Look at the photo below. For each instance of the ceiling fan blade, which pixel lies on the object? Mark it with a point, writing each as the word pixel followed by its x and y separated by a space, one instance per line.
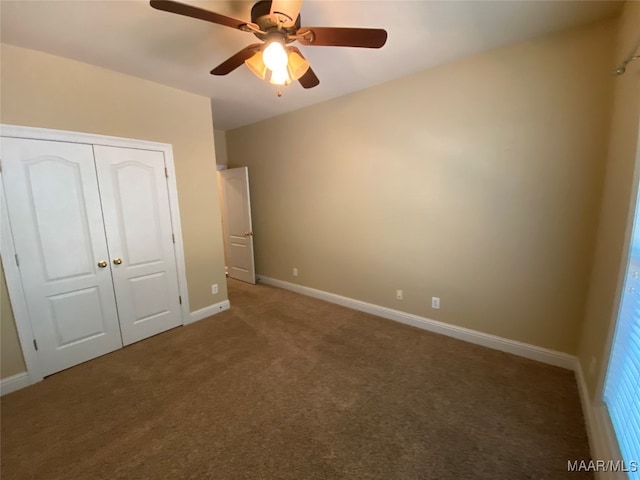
pixel 286 11
pixel 195 12
pixel 343 37
pixel 233 62
pixel 309 79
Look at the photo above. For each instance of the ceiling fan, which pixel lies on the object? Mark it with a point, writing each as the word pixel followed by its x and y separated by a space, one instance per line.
pixel 277 24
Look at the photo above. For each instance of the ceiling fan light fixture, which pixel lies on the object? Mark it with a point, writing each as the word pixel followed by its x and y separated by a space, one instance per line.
pixel 256 65
pixel 274 55
pixel 297 65
pixel 276 23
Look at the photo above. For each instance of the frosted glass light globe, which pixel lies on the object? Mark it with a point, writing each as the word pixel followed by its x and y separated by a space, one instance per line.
pixel 280 77
pixel 275 57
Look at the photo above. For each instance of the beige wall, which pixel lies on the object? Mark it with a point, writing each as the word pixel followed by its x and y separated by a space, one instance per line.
pixel 477 182
pixel 11 361
pixel 610 255
pixel 220 137
pixel 43 90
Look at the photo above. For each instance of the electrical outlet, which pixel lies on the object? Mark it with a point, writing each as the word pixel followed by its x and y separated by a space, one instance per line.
pixel 214 288
pixel 435 302
pixel 398 294
pixel 295 271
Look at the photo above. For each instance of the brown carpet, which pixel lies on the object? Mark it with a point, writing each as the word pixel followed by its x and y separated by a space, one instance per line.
pixel 284 386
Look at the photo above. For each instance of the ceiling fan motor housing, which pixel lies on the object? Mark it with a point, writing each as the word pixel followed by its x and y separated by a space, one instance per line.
pixel 261 15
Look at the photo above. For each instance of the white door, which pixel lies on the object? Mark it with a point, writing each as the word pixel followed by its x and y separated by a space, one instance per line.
pixel 135 204
pixel 54 205
pixel 236 215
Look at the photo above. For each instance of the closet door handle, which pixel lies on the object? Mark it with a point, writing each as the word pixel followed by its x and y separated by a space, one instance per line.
pixel 102 264
pixel 117 261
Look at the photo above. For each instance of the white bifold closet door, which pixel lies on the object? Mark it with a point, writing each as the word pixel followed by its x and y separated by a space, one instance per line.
pixel 92 229
pixel 135 205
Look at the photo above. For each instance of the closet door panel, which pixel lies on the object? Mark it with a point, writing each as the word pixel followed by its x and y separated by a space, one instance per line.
pixel 54 208
pixel 137 218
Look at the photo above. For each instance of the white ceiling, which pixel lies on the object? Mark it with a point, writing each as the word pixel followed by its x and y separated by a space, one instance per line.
pixel 133 38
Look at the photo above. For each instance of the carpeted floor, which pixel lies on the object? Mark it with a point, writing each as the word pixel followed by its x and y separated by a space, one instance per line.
pixel 284 386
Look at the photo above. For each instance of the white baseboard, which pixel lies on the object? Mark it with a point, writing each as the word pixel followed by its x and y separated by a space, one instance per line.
pixel 14 382
pixel 208 311
pixel 587 410
pixel 541 354
pixel 602 440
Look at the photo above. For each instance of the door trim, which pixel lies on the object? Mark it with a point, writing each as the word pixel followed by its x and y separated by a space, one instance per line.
pixel 7 248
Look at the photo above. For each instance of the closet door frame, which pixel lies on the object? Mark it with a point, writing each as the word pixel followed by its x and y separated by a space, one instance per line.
pixel 8 251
